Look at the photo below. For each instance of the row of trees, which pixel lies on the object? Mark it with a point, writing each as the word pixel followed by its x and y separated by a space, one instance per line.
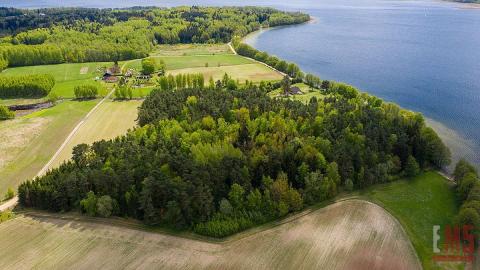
pixel 37 85
pixel 108 35
pixel 291 69
pixel 123 92
pixel 218 161
pixel 86 91
pixel 468 191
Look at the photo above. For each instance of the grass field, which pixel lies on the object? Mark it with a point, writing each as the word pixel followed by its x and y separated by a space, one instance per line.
pixel 191 49
pixel 191 61
pixel 351 234
pixel 67 76
pixel 252 72
pixel 32 140
pixel 418 204
pixel 109 120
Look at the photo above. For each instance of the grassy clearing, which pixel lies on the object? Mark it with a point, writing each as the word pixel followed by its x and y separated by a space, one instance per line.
pixel 191 49
pixel 66 76
pixel 32 140
pixel 252 72
pixel 418 204
pixel 308 93
pixel 190 61
pixel 109 120
pixel 345 235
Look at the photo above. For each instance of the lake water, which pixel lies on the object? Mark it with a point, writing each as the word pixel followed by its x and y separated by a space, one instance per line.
pixel 423 55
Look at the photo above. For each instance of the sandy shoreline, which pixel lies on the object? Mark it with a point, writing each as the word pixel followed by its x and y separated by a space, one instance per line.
pixel 264 29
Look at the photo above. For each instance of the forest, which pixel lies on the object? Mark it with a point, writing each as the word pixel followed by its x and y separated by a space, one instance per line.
pixel 53 36
pixel 219 160
pixel 37 85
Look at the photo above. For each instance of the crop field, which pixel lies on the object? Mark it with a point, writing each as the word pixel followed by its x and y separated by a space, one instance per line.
pixel 32 140
pixel 418 204
pixel 345 235
pixel 252 72
pixel 191 49
pixel 67 76
pixel 191 61
pixel 109 120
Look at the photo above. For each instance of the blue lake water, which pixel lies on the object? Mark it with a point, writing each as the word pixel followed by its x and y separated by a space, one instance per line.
pixel 423 55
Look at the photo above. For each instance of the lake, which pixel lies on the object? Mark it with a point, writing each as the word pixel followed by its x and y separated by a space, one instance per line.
pixel 423 55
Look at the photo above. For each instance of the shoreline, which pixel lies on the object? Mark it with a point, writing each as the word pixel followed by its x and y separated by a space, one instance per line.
pixel 264 29
pixel 460 147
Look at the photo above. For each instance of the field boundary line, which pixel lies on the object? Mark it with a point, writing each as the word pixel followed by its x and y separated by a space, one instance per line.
pixel 254 60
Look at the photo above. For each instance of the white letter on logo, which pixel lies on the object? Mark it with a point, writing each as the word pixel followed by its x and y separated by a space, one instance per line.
pixel 436 237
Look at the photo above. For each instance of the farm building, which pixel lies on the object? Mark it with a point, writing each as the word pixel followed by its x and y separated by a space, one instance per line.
pixel 294 90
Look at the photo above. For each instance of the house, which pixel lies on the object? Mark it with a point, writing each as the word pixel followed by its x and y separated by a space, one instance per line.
pixel 294 90
pixel 109 78
pixel 143 77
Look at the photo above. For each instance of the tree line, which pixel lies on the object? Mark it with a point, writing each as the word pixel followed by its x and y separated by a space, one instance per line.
pixel 217 161
pixel 468 193
pixel 85 91
pixel 291 69
pixel 20 86
pixel 107 35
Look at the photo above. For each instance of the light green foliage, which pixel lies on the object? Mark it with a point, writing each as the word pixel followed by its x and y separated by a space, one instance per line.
pixel 6 215
pixel 105 206
pixel 85 91
pixel 9 194
pixel 36 85
pixel 225 207
pixel 149 66
pixel 123 92
pixel 236 196
pixel 5 113
pixel 89 204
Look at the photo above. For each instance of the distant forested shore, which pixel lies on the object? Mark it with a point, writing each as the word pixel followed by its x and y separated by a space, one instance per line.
pixel 60 35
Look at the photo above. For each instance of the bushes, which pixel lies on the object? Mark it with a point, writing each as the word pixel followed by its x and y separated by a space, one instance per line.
pixel 9 194
pixel 103 206
pixel 5 113
pixel 149 65
pixel 85 91
pixel 221 226
pixel 123 92
pixel 38 85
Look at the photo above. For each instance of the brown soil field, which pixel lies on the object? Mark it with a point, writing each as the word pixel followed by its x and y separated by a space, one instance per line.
pixel 351 234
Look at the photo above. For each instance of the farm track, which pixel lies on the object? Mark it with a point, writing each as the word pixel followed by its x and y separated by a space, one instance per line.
pixel 13 202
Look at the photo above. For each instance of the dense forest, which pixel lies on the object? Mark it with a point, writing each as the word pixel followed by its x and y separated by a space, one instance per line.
pixel 36 85
pixel 53 36
pixel 218 161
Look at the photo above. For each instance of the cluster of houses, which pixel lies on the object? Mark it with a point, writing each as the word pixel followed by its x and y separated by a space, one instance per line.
pixel 114 74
